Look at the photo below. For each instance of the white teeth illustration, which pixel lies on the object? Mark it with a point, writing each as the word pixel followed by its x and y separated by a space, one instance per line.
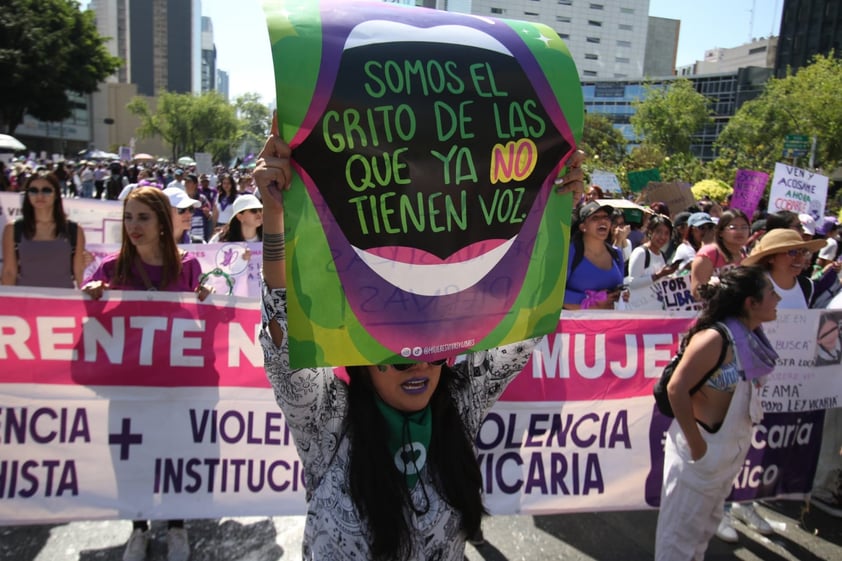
pixel 379 31
pixel 425 280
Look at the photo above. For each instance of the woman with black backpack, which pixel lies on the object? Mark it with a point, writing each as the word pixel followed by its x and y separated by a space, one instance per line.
pixel 708 441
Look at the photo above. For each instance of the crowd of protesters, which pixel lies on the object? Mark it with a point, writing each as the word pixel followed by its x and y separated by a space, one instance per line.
pixel 113 180
pixel 800 257
pixel 618 253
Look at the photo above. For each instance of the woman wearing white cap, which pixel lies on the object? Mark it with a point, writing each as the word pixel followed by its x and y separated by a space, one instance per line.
pixel 181 210
pixel 246 224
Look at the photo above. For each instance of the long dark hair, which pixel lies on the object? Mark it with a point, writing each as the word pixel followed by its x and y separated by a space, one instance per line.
pixel 233 232
pixel 726 298
pixel 28 211
pixel 658 220
pixel 228 197
pixel 156 200
pixel 377 488
pixel 727 217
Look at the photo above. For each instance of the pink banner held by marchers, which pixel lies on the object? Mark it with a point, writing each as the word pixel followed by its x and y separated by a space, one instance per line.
pixel 150 339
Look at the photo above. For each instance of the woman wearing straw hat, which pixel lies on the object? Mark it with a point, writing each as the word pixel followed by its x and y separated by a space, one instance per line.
pixel 783 252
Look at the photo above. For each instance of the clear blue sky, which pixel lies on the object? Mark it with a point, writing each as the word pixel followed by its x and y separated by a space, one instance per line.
pixel 242 42
pixel 707 24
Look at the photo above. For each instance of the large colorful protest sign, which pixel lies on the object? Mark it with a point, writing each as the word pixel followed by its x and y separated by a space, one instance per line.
pixel 153 405
pixel 798 190
pixel 420 221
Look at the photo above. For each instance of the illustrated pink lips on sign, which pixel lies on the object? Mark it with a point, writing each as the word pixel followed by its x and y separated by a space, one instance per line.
pixel 430 225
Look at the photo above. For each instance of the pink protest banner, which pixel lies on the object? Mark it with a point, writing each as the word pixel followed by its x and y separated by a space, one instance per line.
pixel 129 338
pixel 153 405
pixel 749 187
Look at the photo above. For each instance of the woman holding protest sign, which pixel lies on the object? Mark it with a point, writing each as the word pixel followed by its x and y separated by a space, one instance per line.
pixel 149 260
pixel 711 434
pixel 647 266
pixel 785 254
pixel 368 497
pixel 36 245
pixel 730 236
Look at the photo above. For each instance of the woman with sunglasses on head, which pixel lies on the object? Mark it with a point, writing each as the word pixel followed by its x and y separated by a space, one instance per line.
pixel 368 498
pixel 36 245
pixel 726 251
pixel 246 224
pixel 149 260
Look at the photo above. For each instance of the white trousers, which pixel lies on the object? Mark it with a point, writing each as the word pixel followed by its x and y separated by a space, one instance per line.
pixel 693 493
pixel 830 461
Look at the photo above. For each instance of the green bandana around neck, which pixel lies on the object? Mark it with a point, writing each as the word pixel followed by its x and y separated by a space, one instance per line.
pixel 409 439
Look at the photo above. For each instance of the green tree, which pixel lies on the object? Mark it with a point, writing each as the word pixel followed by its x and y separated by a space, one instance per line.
pixel 807 102
pixel 602 142
pixel 684 168
pixel 668 117
pixel 190 123
pixel 645 156
pixel 47 48
pixel 255 121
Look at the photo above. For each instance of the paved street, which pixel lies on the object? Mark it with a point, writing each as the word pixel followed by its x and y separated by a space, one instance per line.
pixel 626 536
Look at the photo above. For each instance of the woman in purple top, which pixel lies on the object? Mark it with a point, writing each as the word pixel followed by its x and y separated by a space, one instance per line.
pixel 149 260
pixel 594 266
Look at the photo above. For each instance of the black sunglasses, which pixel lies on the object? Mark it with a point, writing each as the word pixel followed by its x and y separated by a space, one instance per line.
pixel 41 191
pixel 255 210
pixel 402 367
pixel 183 210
